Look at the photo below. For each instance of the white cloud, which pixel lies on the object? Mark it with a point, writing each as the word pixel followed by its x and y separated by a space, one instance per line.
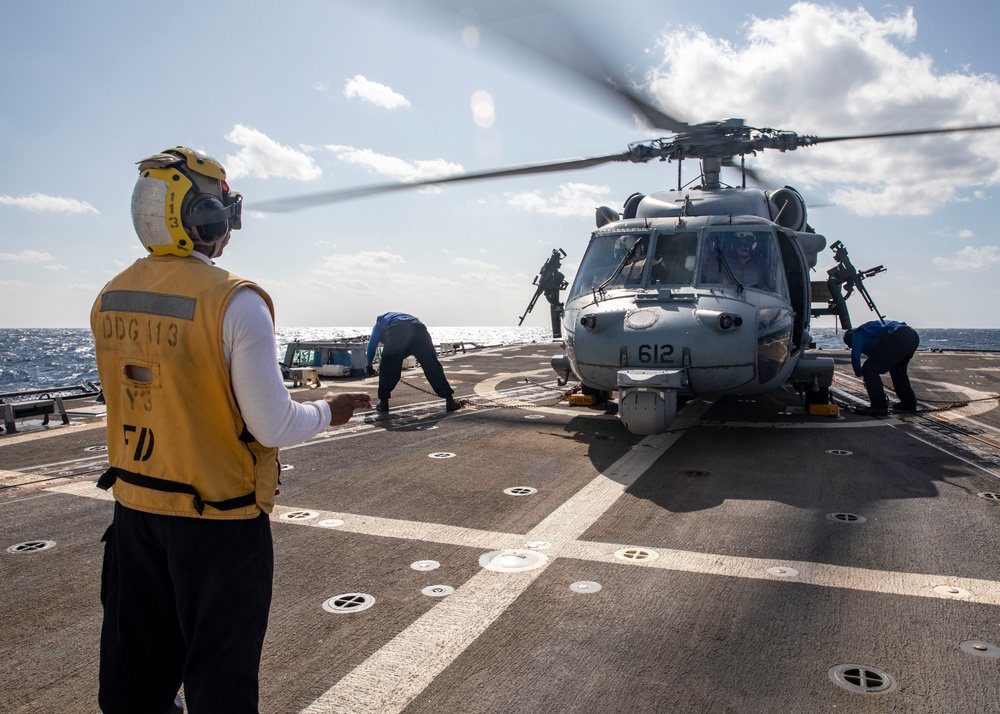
pixel 965 233
pixel 830 71
pixel 380 95
pixel 970 258
pixel 570 199
pixel 262 157
pixel 27 256
pixel 394 167
pixel 40 203
pixel 472 264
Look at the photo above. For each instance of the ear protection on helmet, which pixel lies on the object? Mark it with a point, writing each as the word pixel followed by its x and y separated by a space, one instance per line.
pixel 209 219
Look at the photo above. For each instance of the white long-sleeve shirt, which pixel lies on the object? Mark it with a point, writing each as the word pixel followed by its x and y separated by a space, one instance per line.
pixel 270 413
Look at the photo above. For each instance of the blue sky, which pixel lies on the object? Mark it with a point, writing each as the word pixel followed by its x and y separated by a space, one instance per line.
pixel 305 97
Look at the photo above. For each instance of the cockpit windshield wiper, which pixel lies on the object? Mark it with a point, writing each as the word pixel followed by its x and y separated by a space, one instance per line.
pixel 723 265
pixel 621 266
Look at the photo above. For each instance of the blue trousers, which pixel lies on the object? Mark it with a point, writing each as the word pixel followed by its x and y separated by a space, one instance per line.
pixel 186 600
pixel 402 339
pixel 893 355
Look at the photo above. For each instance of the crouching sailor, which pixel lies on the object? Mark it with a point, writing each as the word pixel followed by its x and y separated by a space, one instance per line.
pixel 196 412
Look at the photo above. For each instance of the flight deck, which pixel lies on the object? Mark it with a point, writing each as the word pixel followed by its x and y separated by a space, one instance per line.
pixel 527 555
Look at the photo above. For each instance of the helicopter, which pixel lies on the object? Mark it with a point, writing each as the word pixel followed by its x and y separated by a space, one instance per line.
pixel 697 290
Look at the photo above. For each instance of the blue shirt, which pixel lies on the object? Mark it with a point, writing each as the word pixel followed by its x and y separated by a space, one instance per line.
pixel 381 323
pixel 868 337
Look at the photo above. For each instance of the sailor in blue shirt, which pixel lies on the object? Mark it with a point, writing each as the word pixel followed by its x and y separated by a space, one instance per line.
pixel 403 335
pixel 889 347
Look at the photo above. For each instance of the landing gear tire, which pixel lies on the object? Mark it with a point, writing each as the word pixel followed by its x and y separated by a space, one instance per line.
pixel 600 396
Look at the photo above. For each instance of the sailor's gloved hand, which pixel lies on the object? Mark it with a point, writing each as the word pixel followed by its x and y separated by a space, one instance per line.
pixel 369 371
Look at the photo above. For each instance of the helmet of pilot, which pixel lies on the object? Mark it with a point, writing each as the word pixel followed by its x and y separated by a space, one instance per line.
pixel 182 200
pixel 743 239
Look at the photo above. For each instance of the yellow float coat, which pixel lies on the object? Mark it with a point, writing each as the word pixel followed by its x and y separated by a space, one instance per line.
pixel 173 422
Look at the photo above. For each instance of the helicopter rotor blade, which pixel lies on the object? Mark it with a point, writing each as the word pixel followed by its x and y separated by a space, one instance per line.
pixel 535 27
pixel 890 134
pixel 295 203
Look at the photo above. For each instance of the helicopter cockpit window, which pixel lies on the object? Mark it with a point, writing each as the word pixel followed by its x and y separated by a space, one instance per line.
pixel 613 260
pixel 674 259
pixel 743 257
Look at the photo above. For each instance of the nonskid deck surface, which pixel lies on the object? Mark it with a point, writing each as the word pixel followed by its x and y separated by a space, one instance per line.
pixel 524 555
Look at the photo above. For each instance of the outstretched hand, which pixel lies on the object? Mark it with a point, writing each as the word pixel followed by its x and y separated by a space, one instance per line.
pixel 343 405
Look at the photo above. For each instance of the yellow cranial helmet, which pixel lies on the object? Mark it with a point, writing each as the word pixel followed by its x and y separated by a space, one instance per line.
pixel 181 200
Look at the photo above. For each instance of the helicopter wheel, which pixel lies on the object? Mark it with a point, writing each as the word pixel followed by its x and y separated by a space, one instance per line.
pixel 820 395
pixel 600 396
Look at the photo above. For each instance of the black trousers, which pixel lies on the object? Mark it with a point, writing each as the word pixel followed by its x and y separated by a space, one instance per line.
pixel 893 355
pixel 402 339
pixel 185 600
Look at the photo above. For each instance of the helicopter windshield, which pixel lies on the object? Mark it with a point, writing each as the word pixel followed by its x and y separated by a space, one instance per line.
pixel 743 257
pixel 613 260
pixel 622 260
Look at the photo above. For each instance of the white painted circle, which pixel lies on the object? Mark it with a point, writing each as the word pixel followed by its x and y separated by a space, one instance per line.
pixel 782 571
pixel 585 586
pixel 511 561
pixel 438 590
pixel 951 591
pixel 425 565
pixel 442 455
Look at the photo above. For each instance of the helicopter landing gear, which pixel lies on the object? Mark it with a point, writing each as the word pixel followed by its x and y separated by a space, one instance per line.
pixel 600 396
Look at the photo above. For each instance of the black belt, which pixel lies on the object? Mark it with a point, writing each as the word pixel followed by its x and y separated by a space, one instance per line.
pixel 108 478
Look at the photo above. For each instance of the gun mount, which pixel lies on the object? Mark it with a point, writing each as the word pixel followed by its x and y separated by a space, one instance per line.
pixel 550 282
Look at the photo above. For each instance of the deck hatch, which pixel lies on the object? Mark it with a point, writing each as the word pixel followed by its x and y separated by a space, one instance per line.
pixel 980 648
pixel 520 490
pixel 349 603
pixel 846 517
pixel 636 554
pixel 31 546
pixel 861 679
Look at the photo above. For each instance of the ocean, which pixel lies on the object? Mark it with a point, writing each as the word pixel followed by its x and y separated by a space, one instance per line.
pixel 42 358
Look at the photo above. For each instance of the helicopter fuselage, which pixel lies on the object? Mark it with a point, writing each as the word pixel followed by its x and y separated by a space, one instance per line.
pixel 696 293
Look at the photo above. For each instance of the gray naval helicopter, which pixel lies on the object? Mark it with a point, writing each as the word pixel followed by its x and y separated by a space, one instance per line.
pixel 693 291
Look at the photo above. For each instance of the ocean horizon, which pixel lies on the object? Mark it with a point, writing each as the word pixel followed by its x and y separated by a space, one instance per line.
pixel 46 357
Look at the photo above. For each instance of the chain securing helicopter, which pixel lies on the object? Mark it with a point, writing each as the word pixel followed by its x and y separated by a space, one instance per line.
pixel 692 291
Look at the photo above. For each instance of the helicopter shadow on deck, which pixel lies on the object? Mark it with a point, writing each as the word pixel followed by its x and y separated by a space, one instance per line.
pixel 732 454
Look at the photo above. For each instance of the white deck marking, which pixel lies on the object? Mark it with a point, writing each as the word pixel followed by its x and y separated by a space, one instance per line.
pixel 393 677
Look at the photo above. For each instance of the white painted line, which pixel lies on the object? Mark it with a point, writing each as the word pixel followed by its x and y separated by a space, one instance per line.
pixel 393 677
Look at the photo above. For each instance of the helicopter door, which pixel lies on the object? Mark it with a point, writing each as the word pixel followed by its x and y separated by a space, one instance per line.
pixel 799 287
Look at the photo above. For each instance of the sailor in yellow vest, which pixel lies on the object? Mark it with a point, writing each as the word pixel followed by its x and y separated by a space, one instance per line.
pixel 197 409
